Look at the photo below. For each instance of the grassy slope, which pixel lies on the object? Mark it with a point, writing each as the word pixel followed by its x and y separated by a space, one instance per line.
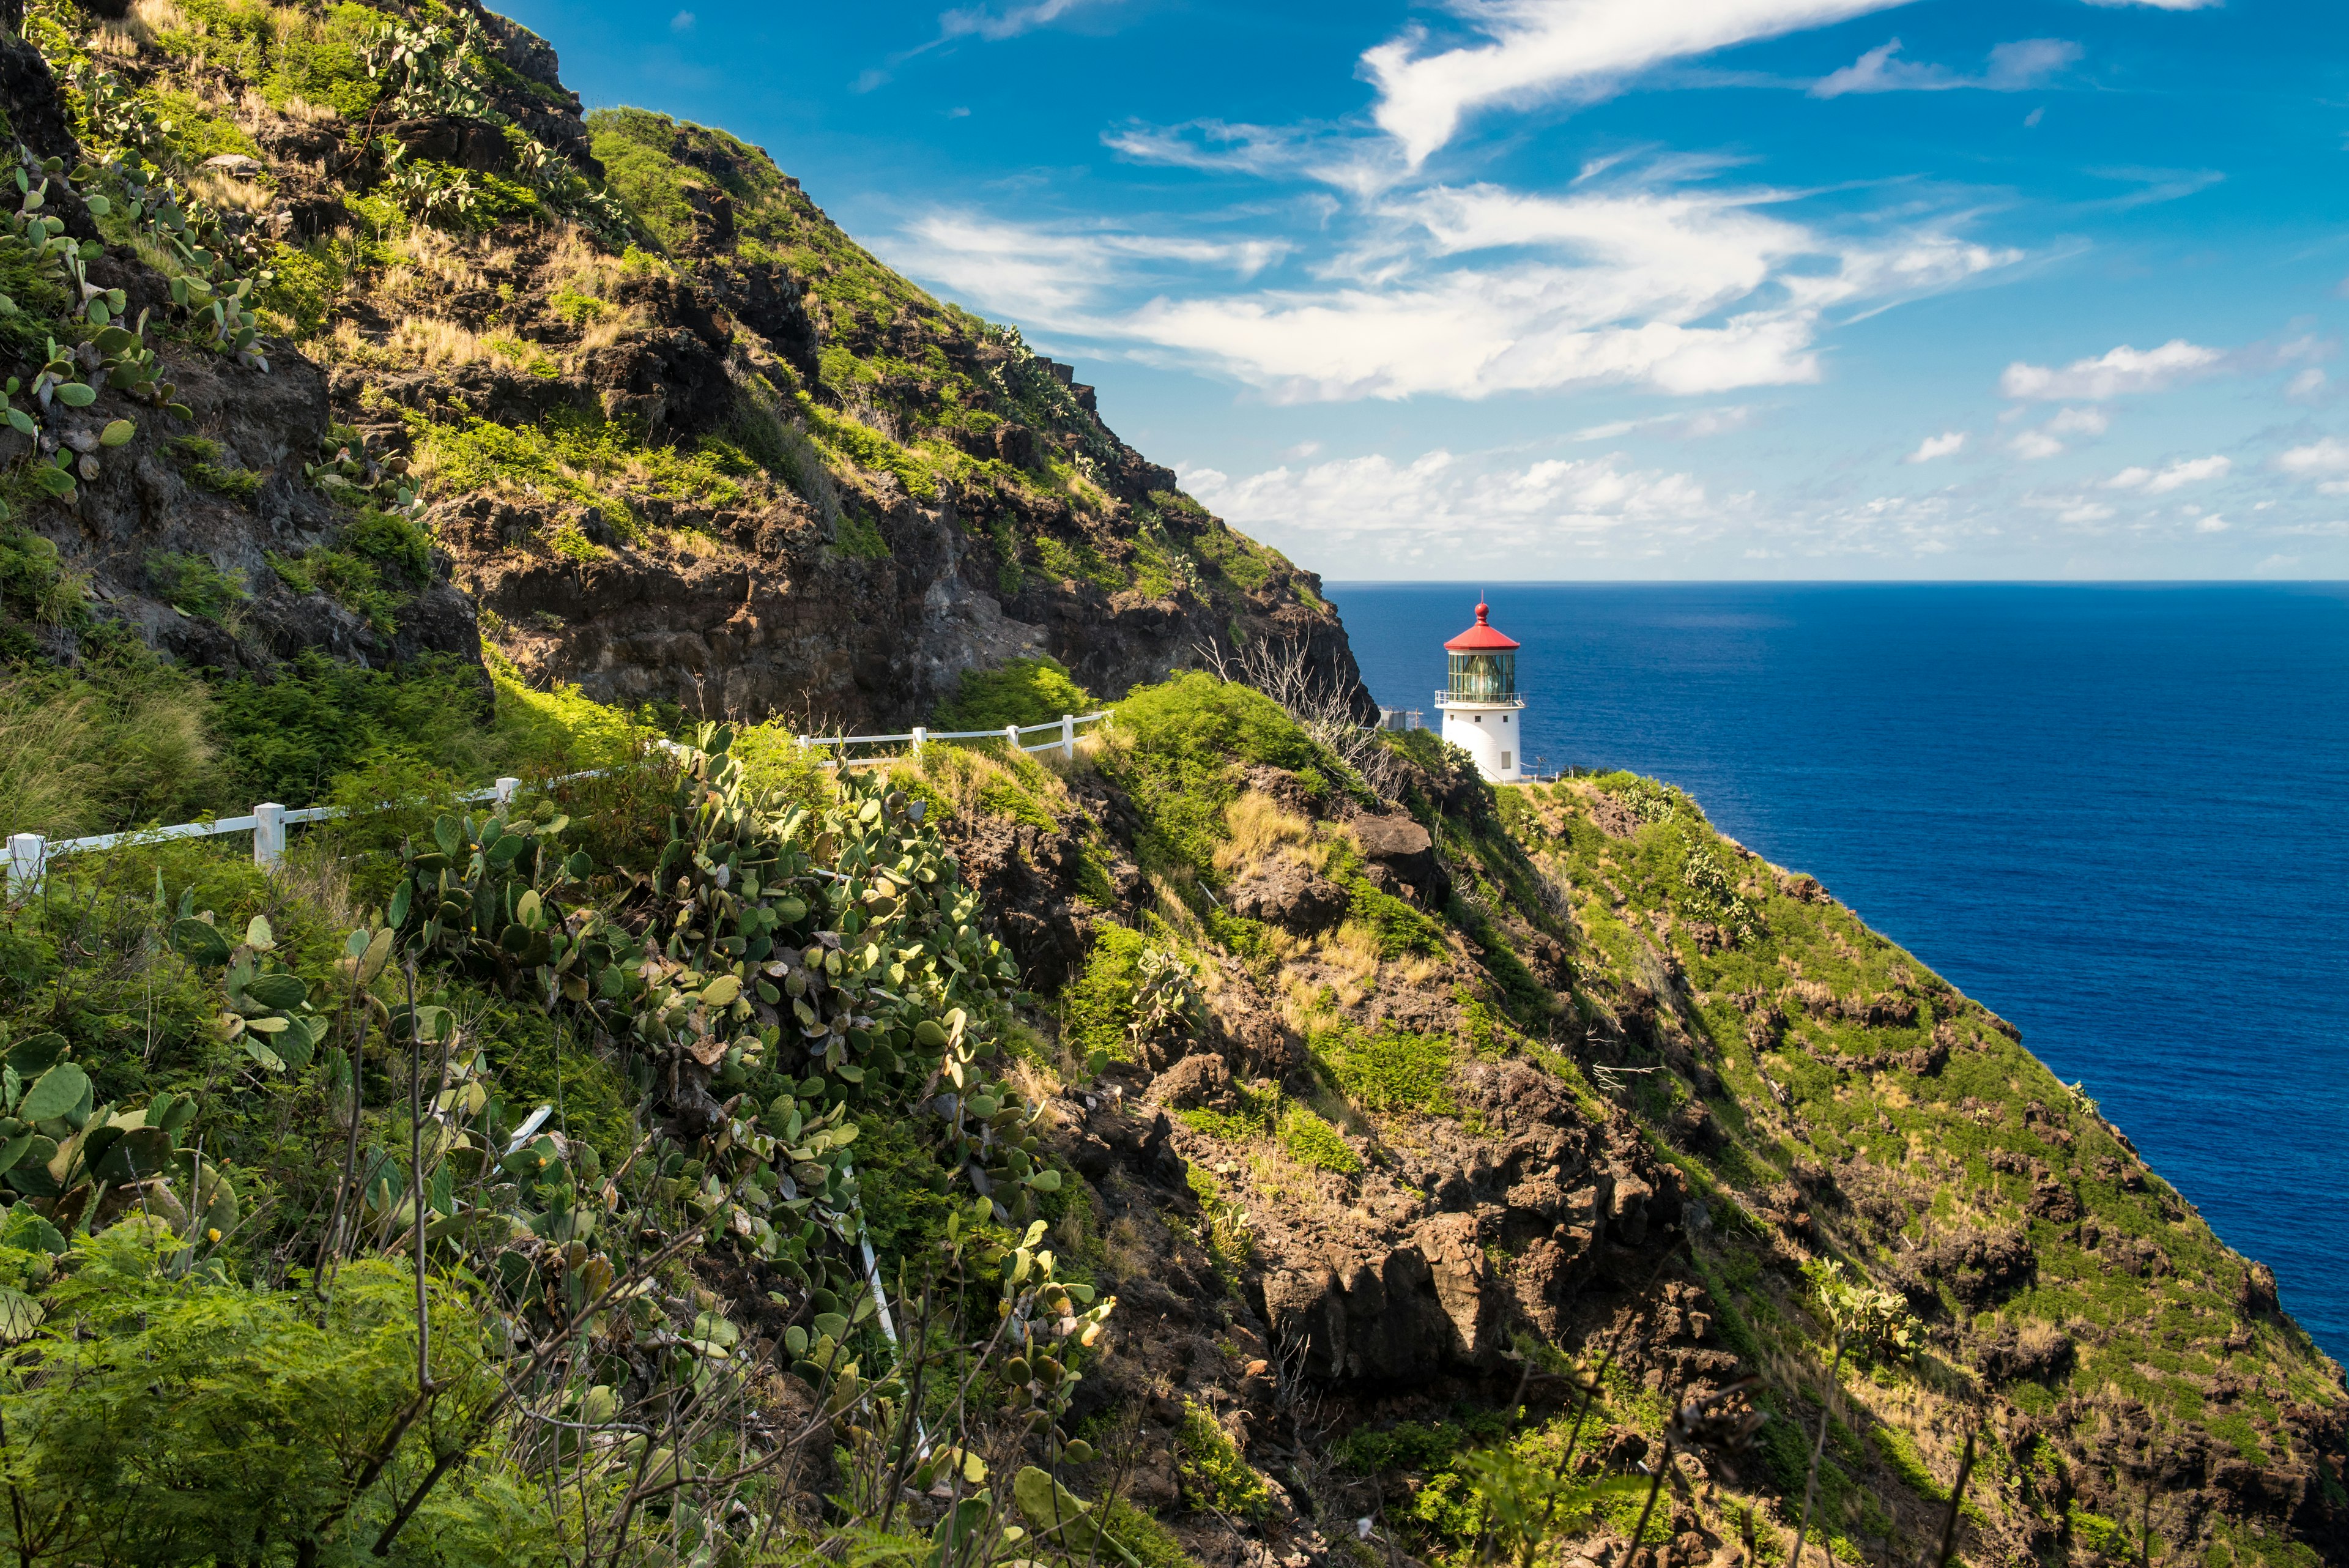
pixel 1923 1156
pixel 407 303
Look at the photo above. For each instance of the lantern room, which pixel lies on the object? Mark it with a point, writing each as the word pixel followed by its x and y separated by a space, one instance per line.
pixel 1484 713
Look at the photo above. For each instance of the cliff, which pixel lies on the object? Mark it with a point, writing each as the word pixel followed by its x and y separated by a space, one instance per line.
pixel 610 392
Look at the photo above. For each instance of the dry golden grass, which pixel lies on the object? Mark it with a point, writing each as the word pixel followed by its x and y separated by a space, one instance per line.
pixel 232 194
pixel 427 341
pixel 446 260
pixel 1351 954
pixel 1260 827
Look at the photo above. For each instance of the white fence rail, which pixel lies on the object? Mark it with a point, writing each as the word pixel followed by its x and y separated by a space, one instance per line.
pixel 30 854
pixel 1063 731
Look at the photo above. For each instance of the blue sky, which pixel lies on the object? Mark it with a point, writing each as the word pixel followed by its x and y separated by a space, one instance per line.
pixel 1526 289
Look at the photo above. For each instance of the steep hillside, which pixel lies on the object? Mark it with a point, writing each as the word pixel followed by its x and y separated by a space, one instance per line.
pixel 1271 1145
pixel 611 393
pixel 1551 1082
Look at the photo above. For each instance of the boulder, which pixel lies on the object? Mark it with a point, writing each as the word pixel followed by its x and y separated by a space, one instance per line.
pixel 1285 894
pixel 1402 845
pixel 1196 1083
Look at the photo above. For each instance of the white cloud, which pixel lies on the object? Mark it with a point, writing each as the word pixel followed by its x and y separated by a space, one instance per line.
pixel 1541 49
pixel 1949 444
pixel 1693 425
pixel 978 22
pixel 1468 292
pixel 2162 4
pixel 2162 480
pixel 2079 422
pixel 2013 67
pixel 1440 501
pixel 681 22
pixel 2214 524
pixel 2086 512
pixel 2309 383
pixel 2124 369
pixel 1454 511
pixel 2319 457
pixel 2032 445
pixel 1050 278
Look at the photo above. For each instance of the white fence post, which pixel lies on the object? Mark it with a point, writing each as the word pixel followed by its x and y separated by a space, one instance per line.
pixel 26 851
pixel 920 735
pixel 1069 736
pixel 268 836
pixel 1011 733
pixel 506 788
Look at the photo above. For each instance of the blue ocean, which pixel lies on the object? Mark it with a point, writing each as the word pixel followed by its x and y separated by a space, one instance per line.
pixel 2117 815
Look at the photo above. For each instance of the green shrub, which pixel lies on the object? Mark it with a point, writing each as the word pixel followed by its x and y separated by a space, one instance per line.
pixel 1398 930
pixel 1212 1473
pixel 1097 1005
pixel 391 539
pixel 290 738
pixel 329 68
pixel 1391 1069
pixel 193 585
pixel 350 581
pixel 1311 1141
pixel 575 456
pixel 256 1401
pixel 1151 1544
pixel 633 146
pixel 114 745
pixel 193 132
pixel 1024 691
pixel 558 731
pixel 1177 750
pixel 860 537
pixel 1405 1446
pixel 863 447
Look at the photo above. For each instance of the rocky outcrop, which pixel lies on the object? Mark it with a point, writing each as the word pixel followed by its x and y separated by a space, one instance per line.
pixel 1286 895
pixel 749 472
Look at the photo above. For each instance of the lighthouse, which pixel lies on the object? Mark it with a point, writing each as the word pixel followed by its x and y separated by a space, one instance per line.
pixel 1483 714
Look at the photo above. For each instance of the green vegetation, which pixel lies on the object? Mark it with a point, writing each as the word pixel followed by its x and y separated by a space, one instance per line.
pixel 1179 748
pixel 193 585
pixel 1213 1473
pixel 1097 1007
pixel 1390 1069
pixel 1310 1141
pixel 574 457
pixel 200 459
pixel 1024 691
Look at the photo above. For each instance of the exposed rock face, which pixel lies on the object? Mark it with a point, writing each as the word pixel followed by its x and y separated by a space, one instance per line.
pixel 1288 896
pixel 868 493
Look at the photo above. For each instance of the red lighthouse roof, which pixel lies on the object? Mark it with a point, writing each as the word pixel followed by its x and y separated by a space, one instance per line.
pixel 1481 638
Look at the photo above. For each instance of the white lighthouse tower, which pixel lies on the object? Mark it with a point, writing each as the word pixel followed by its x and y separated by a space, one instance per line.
pixel 1483 714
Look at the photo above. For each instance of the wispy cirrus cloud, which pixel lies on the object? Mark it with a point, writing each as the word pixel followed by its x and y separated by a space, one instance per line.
pixel 2012 67
pixel 1478 290
pixel 1693 425
pixel 1537 50
pixel 2117 373
pixel 1949 444
pixel 993 23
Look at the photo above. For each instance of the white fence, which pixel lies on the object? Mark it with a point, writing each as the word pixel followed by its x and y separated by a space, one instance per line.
pixel 1063 731
pixel 30 854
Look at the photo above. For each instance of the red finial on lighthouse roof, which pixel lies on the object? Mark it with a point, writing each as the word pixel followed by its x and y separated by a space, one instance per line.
pixel 1481 638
